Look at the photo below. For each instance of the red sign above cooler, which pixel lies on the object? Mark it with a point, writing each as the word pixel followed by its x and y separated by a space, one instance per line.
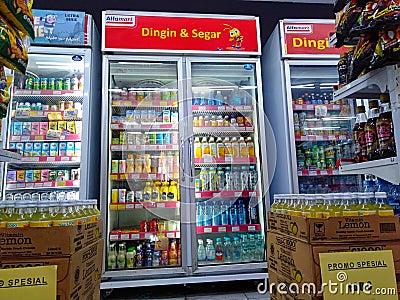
pixel 148 32
pixel 308 38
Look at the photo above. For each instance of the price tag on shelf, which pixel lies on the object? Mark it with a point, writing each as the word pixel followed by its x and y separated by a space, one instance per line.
pixel 125 236
pixel 64 158
pixel 336 107
pixel 135 236
pixel 239 108
pixel 124 176
pixel 298 107
pixel 208 230
pixel 319 138
pixel 221 108
pixel 148 236
pixel 15 138
pixel 252 194
pixel 36 92
pixel 114 237
pixel 247 107
pixel 304 138
pixel 56 92
pixel 29 185
pixel 238 194
pixel 170 235
pixel 342 137
pixel 62 138
pixel 62 183
pixel 162 147
pixel 31 159
pixel 202 108
pixel 152 176
pixel 312 173
pixel 38 184
pixel 178 235
pixel 75 183
pixel 197 195
pixel 251 228
pixel 299 173
pixel 221 229
pixel 114 177
pixel 48 184
pixel 310 107
pixel 138 206
pixel 160 205
pixel 135 176
pixel 235 228
pixel 26 138
pixel 331 137
pixel 50 159
pixel 324 172
pixel 217 195
pixel 130 206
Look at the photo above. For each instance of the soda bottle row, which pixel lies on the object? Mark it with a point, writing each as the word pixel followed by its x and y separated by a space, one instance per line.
pixel 332 205
pixel 229 179
pixel 226 149
pixel 42 175
pixel 236 249
pixel 43 83
pixel 234 97
pixel 227 212
pixel 139 116
pixel 136 94
pixel 148 163
pixel 222 121
pixel 135 138
pixel 373 138
pixel 23 214
pixel 143 254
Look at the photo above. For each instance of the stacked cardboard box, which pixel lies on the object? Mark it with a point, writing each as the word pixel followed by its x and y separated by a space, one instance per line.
pixel 294 245
pixel 76 250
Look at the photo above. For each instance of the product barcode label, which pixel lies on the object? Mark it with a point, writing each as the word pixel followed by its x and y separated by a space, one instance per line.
pixel 235 228
pixel 161 205
pixel 251 228
pixel 125 236
pixel 207 230
pixel 148 235
pixel 138 206
pixel 130 206
pixel 387 227
pixel 221 229
pixel 114 237
pixel 135 236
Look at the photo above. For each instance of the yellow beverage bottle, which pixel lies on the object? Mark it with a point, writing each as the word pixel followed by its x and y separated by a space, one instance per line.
pixel 138 164
pixel 316 207
pixel 205 147
pixel 42 217
pixel 235 147
pixel 384 208
pixel 147 191
pixel 326 205
pixel 147 163
pixel 250 147
pixel 368 206
pixel 197 148
pixel 290 210
pixel 299 206
pixel 173 191
pixel 275 207
pixel 306 212
pixel 64 215
pixel 19 217
pixel 164 191
pixel 155 192
pixel 94 209
pixel 220 148
pixel 243 149
pixel 356 203
pixel 349 209
pixel 283 206
pixel 338 203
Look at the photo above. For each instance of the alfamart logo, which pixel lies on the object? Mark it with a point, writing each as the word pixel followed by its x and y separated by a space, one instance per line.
pixel 120 20
pixel 296 28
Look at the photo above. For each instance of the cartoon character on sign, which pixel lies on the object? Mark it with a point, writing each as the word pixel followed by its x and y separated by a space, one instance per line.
pixel 49 24
pixel 234 35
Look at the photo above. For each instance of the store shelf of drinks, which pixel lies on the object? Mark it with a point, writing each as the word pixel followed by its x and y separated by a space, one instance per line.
pixel 222 108
pixel 327 172
pixel 144 126
pixel 324 137
pixel 119 235
pixel 115 147
pixel 143 176
pixel 224 161
pixel 35 138
pixel 387 168
pixel 227 194
pixel 145 205
pixel 66 115
pixel 16 186
pixel 329 107
pixel 228 228
pixel 144 103
pixel 368 86
pixel 225 129
pixel 58 93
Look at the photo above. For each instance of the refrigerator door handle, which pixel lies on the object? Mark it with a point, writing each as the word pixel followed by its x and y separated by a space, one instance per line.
pixel 181 159
pixel 191 158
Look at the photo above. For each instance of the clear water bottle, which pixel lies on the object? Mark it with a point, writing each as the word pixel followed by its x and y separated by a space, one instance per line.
pixel 216 213
pixel 253 178
pixel 236 250
pixel 208 213
pixel 219 250
pixel 253 211
pixel 241 212
pixel 236 179
pixel 228 179
pixel 219 99
pixel 224 213
pixel 252 248
pixel 233 216
pixel 201 252
pixel 210 251
pixel 259 247
pixel 245 250
pixel 244 178
pixel 227 250
pixel 200 213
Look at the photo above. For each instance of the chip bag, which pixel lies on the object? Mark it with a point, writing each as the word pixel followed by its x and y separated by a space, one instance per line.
pixel 366 20
pixel 387 50
pixel 5 84
pixel 363 55
pixel 19 14
pixel 387 12
pixel 349 15
pixel 13 53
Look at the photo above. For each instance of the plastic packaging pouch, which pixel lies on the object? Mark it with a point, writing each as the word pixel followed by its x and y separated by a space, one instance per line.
pixel 5 84
pixel 387 50
pixel 387 12
pixel 350 14
pixel 13 53
pixel 363 55
pixel 19 14
pixel 365 21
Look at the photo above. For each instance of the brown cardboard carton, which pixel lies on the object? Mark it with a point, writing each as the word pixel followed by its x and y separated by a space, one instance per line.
pixel 78 276
pixel 336 229
pixel 53 241
pixel 298 261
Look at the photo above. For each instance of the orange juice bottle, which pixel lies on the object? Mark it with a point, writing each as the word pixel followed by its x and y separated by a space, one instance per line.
pixel 197 148
pixel 250 147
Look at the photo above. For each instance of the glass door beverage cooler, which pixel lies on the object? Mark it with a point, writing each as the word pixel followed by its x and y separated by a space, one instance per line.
pixel 300 71
pixel 184 173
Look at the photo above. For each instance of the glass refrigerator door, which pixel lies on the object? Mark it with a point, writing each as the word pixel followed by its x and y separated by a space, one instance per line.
pixel 228 194
pixel 321 129
pixel 143 190
pixel 46 127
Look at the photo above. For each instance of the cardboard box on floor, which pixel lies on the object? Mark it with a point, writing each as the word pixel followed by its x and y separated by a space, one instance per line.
pixel 298 261
pixel 78 275
pixel 336 229
pixel 53 241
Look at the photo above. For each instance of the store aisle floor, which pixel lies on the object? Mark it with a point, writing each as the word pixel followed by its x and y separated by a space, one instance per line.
pixel 241 290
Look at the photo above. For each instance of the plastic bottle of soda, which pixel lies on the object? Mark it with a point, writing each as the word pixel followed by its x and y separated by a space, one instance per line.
pixel 243 148
pixel 250 147
pixel 210 251
pixel 235 148
pixel 201 252
pixel 241 211
pixel 227 249
pixel 384 128
pixel 216 213
pixel 360 149
pixel 197 148
pixel 205 148
pixel 220 148
pixel 121 256
pixel 228 150
pixel 219 250
pixel 212 176
pixel 371 136
pixel 213 147
pixel 236 250
pixel 233 214
pixel 112 257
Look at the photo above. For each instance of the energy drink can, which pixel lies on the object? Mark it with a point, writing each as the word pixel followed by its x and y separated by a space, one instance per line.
pixel 197 185
pixel 29 83
pixel 122 166
pixel 59 84
pixel 130 196
pixel 52 175
pixel 159 138
pixel 122 195
pixel 36 83
pixel 114 196
pixel 43 83
pixel 52 84
pixel 67 84
pixel 114 166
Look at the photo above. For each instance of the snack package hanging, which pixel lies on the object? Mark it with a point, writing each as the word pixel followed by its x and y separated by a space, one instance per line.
pixel 19 14
pixel 387 12
pixel 363 55
pixel 366 20
pixel 13 53
pixel 349 16
pixel 5 84
pixel 387 50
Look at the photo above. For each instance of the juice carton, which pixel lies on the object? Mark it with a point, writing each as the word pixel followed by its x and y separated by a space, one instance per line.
pixel 130 114
pixel 37 175
pixel 166 116
pixel 44 127
pixel 44 175
pixel 63 175
pixel 17 128
pixel 52 175
pixel 35 128
pixel 144 116
pixel 53 149
pixel 70 149
pixel 174 117
pixel 78 127
pixel 26 128
pixel 37 149
pixel 11 176
pixel 29 176
pixel 62 125
pixel 28 149
pixel 71 127
pixel 78 146
pixel 46 149
pixel 21 148
pixel 136 116
pixel 20 175
pixel 62 149
pixel 52 126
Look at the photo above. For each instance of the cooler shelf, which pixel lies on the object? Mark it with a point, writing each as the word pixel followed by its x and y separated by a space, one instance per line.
pixel 302 107
pixel 228 228
pixel 116 235
pixel 70 93
pixel 40 114
pixel 309 138
pixel 149 126
pixel 144 205
pixel 226 108
pixel 49 159
pixel 142 176
pixel 38 138
pixel 222 129
pixel 224 161
pixel 42 185
pixel 144 103
pixel 115 147
pixel 328 172
pixel 226 194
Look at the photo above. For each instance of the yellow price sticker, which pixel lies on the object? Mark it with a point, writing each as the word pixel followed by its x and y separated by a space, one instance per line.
pixel 62 183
